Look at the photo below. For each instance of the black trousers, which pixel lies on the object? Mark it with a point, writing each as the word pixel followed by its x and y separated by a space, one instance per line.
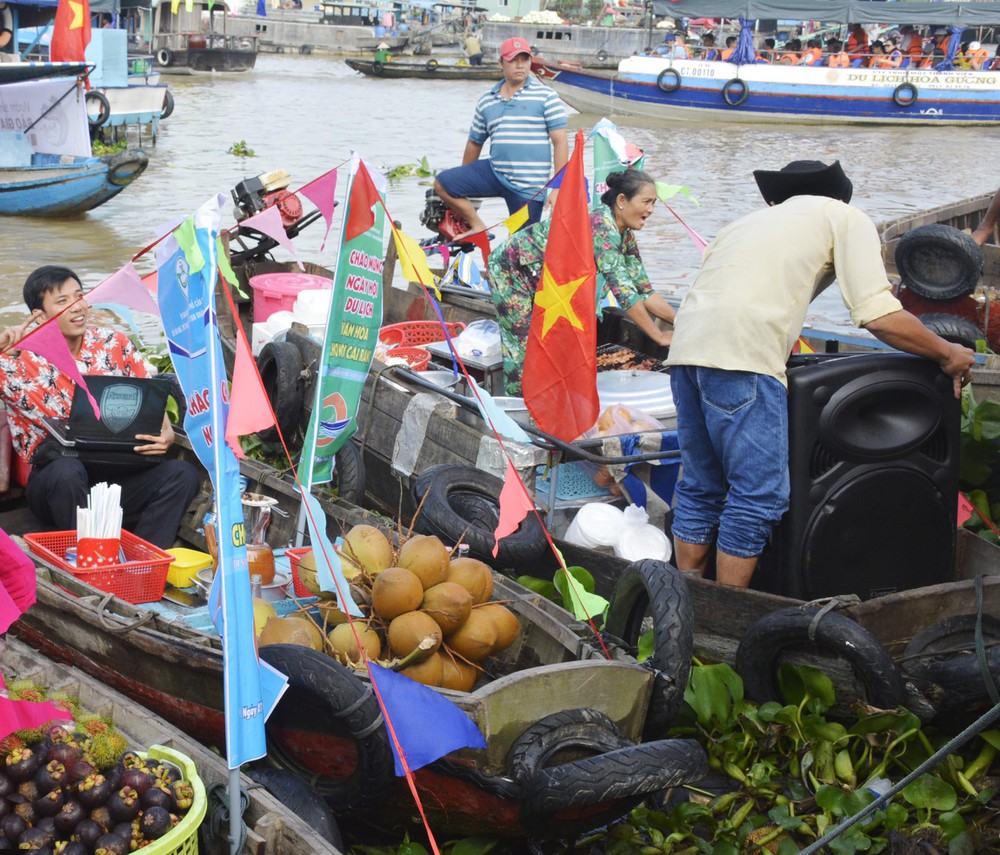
pixel 158 495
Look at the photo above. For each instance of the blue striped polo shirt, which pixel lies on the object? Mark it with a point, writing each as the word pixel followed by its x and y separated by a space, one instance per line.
pixel 518 130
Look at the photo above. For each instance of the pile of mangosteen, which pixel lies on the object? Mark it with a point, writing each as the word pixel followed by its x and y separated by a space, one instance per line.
pixel 79 793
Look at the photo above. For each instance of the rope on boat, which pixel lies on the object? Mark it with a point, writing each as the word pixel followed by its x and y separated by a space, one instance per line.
pixel 842 601
pixel 117 627
pixel 979 725
pixel 216 824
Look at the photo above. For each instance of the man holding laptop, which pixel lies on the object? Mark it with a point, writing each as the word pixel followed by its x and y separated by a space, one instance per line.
pixel 37 395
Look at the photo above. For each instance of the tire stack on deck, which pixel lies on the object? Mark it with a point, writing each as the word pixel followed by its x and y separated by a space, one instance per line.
pixel 939 268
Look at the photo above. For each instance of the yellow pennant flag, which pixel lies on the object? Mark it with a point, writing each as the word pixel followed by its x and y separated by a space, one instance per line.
pixel 189 5
pixel 411 256
pixel 517 219
pixel 174 6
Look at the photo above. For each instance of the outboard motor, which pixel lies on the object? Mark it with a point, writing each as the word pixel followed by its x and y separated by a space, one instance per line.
pixel 439 218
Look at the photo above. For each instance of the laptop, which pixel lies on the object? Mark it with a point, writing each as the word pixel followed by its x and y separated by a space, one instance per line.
pixel 129 406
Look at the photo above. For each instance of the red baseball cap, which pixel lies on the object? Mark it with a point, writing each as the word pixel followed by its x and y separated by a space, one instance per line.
pixel 514 47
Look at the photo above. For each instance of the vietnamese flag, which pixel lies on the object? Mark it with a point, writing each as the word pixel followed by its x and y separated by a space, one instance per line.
pixel 71 31
pixel 560 364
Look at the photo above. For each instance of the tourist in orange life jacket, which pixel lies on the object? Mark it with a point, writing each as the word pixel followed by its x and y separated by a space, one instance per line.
pixel 938 49
pixel 730 47
pixel 857 40
pixel 977 56
pixel 790 54
pixel 912 44
pixel 813 54
pixel 767 52
pixel 885 55
pixel 836 56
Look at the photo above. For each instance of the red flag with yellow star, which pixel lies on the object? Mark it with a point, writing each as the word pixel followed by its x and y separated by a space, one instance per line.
pixel 560 364
pixel 71 31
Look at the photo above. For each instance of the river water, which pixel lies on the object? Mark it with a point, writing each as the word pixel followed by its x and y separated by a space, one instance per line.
pixel 305 114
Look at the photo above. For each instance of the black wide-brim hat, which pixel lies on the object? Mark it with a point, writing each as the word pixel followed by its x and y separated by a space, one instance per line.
pixel 804 178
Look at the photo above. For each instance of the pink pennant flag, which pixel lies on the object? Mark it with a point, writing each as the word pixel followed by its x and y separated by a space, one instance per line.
pixel 965 509
pixel 268 222
pixel 515 505
pixel 321 192
pixel 249 408
pixel 699 242
pixel 445 255
pixel 125 287
pixel 27 715
pixel 150 282
pixel 49 343
pixel 17 582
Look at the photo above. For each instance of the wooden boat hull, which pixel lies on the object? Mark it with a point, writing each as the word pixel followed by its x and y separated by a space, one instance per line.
pixel 763 93
pixel 429 70
pixel 51 188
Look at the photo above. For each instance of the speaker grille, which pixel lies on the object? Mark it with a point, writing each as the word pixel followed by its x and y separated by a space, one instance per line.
pixel 937 446
pixel 821 461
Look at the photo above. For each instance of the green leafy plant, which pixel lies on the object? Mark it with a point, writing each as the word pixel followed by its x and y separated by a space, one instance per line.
pixel 99 148
pixel 978 457
pixel 409 170
pixel 240 149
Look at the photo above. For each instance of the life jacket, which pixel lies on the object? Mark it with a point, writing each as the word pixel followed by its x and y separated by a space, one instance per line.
pixel 855 44
pixel 978 58
pixel 915 48
pixel 712 55
pixel 788 58
pixel 728 52
pixel 840 59
pixel 811 56
pixel 892 60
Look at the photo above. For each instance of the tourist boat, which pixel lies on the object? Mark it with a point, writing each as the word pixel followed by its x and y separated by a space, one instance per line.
pixel 196 40
pixel 653 87
pixel 270 825
pixel 431 69
pixel 555 679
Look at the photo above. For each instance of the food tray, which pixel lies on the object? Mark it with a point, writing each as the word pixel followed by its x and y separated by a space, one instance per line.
pixel 612 357
pixel 141 579
pixel 416 333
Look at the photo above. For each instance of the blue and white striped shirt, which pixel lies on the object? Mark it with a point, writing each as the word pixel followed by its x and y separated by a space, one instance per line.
pixel 518 130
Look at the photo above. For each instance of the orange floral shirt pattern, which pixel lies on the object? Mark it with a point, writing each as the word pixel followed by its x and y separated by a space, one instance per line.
pixel 33 388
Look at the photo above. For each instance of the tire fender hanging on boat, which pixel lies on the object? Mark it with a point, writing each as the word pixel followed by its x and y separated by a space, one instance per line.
pixel 168 104
pixel 742 92
pixel 953 328
pixel 939 262
pixel 280 366
pixel 99 100
pixel 350 711
pixel 126 166
pixel 602 55
pixel 654 589
pixel 432 65
pixel 905 95
pixel 164 56
pixel 669 80
pixel 762 644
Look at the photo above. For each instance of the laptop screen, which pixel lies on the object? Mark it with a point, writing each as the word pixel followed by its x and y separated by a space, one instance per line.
pixel 129 406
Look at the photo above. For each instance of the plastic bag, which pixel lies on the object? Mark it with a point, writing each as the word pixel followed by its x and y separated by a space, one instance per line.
pixel 479 340
pixel 595 526
pixel 619 419
pixel 638 539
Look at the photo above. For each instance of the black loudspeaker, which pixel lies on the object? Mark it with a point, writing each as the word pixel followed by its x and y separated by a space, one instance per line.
pixel 873 462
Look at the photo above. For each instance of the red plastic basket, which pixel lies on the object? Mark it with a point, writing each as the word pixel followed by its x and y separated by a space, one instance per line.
pixel 294 556
pixel 141 579
pixel 416 357
pixel 416 333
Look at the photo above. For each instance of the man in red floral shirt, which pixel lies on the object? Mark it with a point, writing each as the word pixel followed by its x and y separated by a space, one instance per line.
pixel 33 389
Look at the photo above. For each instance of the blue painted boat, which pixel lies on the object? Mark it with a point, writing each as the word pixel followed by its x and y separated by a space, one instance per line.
pixel 60 185
pixel 660 87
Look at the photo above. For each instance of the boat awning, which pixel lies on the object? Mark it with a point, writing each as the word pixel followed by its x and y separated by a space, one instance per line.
pixel 13 72
pixel 843 11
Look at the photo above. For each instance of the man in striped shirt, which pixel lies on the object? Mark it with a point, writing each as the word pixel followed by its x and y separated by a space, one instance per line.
pixel 526 124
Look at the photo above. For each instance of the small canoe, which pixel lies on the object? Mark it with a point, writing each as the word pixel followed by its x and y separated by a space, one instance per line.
pixel 431 69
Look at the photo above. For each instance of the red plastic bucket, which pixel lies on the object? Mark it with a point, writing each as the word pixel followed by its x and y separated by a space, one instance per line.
pixel 274 292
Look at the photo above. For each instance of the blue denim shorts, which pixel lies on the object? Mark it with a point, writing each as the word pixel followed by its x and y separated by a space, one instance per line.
pixel 478 180
pixel 733 432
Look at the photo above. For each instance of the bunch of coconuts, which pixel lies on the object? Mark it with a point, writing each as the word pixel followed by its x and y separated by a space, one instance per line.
pixel 429 615
pixel 81 793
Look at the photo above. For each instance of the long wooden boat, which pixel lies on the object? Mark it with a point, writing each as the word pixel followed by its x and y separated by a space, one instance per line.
pixel 756 92
pixel 272 827
pixel 323 728
pixel 430 69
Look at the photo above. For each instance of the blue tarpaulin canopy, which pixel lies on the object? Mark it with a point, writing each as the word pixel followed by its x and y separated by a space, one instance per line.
pixel 842 11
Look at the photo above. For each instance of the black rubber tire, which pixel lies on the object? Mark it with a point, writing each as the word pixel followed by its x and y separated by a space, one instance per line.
pixel 164 56
pixel 657 589
pixel 103 108
pixel 432 65
pixel 584 730
pixel 280 366
pixel 629 774
pixel 303 799
pixel 939 262
pixel 905 95
pixel 125 166
pixel 168 105
pixel 744 92
pixel 349 474
pixel 757 655
pixel 956 669
pixel 953 328
pixel 352 709
pixel 444 519
pixel 602 55
pixel 377 67
pixel 672 75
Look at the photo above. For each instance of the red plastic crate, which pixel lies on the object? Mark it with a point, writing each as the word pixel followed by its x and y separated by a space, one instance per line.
pixel 141 579
pixel 294 556
pixel 416 333
pixel 416 358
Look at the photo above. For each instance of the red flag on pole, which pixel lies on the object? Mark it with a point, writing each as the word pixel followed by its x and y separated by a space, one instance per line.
pixel 71 31
pixel 560 364
pixel 360 210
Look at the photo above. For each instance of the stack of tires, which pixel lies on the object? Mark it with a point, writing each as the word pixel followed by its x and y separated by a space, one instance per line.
pixel 939 267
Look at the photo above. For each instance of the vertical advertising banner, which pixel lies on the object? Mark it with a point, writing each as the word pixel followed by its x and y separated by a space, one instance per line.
pixel 608 158
pixel 351 333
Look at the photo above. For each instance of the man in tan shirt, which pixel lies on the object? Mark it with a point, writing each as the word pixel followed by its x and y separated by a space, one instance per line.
pixel 733 334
